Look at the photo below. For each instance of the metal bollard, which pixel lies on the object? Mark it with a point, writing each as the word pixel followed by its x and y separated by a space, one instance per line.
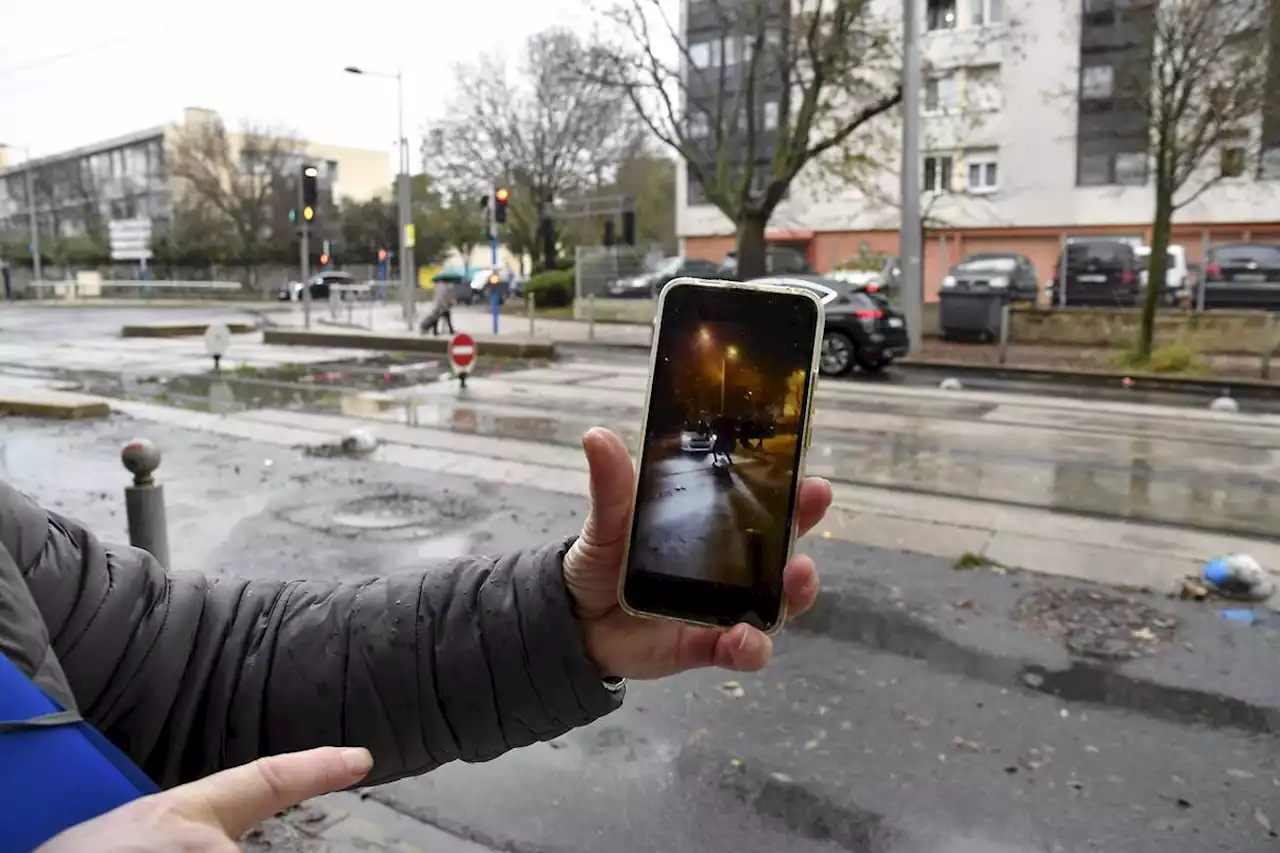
pixel 144 500
pixel 531 299
pixel 591 316
pixel 1268 343
pixel 1005 311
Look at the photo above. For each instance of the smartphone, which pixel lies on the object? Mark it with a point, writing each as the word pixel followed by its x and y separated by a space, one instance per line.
pixel 726 427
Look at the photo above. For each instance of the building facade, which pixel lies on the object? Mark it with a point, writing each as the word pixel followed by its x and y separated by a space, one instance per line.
pixel 1025 141
pixel 79 191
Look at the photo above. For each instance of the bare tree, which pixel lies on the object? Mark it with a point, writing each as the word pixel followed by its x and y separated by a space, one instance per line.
pixel 545 133
pixel 243 178
pixel 764 88
pixel 1200 85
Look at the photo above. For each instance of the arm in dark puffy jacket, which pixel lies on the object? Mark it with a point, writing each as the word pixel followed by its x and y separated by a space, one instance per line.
pixel 189 675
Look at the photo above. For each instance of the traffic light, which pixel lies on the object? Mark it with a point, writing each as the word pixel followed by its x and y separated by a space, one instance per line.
pixel 629 227
pixel 310 192
pixel 501 196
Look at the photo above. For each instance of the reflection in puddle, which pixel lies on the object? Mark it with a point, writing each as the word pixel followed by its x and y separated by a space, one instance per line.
pixel 445 547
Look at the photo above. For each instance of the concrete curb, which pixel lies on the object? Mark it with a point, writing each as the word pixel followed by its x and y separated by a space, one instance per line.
pixel 56 405
pixel 1239 387
pixel 488 346
pixel 179 330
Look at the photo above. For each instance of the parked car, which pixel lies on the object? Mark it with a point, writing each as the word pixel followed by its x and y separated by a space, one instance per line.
pixel 1243 275
pixel 646 285
pixel 697 438
pixel 1177 276
pixel 292 292
pixel 779 260
pixel 478 290
pixel 861 329
pixel 994 272
pixel 1100 272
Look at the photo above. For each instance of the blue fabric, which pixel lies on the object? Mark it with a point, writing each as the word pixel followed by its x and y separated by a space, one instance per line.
pixel 54 777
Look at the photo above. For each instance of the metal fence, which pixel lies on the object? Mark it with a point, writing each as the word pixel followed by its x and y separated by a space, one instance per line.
pixel 609 283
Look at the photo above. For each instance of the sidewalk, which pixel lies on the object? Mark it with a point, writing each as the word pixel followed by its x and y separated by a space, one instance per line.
pixel 388 320
pixel 1057 543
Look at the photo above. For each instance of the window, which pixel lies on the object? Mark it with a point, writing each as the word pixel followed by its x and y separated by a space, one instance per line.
pixel 1096 82
pixel 1095 170
pixel 1131 168
pixel 983 88
pixel 982 172
pixel 771 115
pixel 940 94
pixel 1232 162
pixel 937 173
pixel 1270 167
pixel 731 46
pixel 984 13
pixel 699 127
pixel 940 14
pixel 331 170
pixel 700 54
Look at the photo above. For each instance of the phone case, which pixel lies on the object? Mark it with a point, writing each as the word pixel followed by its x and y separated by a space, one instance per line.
pixel 804 447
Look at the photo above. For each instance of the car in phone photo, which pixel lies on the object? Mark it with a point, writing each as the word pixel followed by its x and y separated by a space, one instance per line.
pixel 697 438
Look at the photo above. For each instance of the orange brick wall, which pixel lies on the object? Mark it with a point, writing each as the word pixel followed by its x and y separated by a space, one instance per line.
pixel 829 248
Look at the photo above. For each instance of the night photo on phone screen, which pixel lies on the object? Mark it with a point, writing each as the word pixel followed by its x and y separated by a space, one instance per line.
pixel 722 442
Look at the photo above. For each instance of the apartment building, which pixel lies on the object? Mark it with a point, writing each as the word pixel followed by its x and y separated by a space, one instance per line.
pixel 126 177
pixel 1023 144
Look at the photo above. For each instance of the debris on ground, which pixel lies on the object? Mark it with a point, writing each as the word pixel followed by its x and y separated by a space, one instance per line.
pixel 734 689
pixel 1237 576
pixel 355 444
pixel 1097 624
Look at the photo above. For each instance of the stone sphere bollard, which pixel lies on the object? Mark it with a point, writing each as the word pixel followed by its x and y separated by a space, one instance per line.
pixel 141 458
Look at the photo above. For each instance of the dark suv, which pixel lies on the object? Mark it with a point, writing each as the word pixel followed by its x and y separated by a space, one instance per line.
pixel 1243 275
pixel 861 327
pixel 1100 272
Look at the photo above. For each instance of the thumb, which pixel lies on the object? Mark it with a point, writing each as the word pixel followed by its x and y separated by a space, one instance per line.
pixel 612 480
pixel 239 799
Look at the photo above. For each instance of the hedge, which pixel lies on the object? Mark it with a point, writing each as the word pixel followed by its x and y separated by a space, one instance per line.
pixel 551 289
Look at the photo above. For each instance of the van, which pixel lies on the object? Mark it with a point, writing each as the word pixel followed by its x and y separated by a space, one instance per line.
pixel 1177 276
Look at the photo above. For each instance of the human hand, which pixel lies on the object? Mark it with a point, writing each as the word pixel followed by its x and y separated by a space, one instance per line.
pixel 625 646
pixel 206 816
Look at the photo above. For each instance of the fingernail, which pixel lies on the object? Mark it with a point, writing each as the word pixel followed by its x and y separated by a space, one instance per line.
pixel 357 759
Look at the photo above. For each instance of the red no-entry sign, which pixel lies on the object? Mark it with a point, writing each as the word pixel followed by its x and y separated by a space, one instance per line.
pixel 462 352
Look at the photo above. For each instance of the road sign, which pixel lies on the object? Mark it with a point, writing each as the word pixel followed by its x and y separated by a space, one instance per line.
pixel 130 239
pixel 217 337
pixel 462 352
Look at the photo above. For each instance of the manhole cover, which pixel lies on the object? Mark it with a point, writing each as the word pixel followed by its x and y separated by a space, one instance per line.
pixel 392 515
pixel 386 512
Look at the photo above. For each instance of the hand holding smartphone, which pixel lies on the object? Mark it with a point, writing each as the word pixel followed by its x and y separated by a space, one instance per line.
pixel 725 433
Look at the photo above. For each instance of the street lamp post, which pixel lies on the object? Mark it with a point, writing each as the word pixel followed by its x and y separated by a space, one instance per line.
pixel 408 286
pixel 730 354
pixel 31 215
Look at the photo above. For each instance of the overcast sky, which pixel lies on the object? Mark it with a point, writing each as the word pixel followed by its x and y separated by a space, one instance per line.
pixel 80 71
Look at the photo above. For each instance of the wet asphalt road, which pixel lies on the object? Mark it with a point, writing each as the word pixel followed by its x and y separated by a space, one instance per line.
pixel 901 731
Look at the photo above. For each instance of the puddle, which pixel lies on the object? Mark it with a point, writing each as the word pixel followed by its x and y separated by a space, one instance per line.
pixel 445 547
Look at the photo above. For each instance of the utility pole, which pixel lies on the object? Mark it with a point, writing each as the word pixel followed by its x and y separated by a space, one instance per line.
pixel 408 286
pixel 305 253
pixel 909 240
